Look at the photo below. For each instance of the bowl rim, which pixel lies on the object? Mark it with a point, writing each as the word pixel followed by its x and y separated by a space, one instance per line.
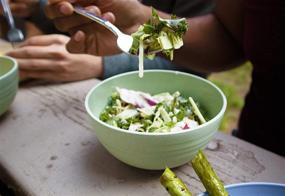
pixel 246 184
pixel 221 112
pixel 14 68
pixel 242 184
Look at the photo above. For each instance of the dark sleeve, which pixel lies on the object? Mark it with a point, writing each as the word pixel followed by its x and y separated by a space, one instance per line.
pixel 182 8
pixel 162 5
pixel 41 21
pixel 190 8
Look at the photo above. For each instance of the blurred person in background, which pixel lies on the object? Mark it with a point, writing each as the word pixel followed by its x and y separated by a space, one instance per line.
pixel 236 30
pixel 45 56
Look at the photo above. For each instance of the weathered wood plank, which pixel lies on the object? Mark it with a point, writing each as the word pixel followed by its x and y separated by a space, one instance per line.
pixel 47 147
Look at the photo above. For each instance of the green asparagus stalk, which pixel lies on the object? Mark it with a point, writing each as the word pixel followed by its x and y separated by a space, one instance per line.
pixel 197 111
pixel 173 184
pixel 208 176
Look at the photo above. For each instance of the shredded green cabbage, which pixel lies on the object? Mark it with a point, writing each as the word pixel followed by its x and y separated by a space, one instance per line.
pixel 159 35
pixel 142 112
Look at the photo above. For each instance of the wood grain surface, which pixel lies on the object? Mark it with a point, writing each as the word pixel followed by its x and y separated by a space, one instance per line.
pixel 47 148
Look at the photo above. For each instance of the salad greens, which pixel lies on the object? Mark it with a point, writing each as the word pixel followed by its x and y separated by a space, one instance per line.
pixel 140 111
pixel 158 35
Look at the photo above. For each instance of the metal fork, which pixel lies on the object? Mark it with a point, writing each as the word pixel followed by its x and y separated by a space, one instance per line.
pixel 124 41
pixel 14 34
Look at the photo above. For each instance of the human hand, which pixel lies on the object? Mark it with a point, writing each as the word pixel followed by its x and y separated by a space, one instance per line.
pixel 88 36
pixel 45 57
pixel 22 8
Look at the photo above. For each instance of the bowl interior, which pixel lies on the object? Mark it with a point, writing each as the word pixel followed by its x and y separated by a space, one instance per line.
pixel 8 82
pixel 255 188
pixel 6 66
pixel 210 99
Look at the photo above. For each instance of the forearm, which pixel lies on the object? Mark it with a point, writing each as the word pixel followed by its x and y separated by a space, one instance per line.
pixel 208 47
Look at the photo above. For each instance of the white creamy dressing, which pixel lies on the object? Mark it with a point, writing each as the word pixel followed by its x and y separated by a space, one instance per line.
pixel 141 55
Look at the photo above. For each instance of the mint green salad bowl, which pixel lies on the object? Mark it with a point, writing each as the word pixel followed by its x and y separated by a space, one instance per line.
pixel 8 82
pixel 155 151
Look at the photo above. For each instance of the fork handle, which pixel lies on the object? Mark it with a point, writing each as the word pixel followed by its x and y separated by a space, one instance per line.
pixel 101 21
pixel 7 13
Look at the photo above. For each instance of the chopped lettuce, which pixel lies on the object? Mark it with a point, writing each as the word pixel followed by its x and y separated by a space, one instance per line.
pixel 159 35
pixel 139 111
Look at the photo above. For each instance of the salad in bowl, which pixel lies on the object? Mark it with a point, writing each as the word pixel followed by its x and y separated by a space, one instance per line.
pixel 159 120
pixel 140 111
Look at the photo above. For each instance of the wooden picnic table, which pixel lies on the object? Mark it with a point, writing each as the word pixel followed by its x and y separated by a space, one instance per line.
pixel 47 148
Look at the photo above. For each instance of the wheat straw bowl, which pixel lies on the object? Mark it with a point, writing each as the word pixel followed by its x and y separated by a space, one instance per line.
pixel 155 151
pixel 8 82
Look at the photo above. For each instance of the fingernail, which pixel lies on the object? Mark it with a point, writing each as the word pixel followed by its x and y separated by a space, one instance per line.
pixel 93 10
pixel 78 36
pixel 64 10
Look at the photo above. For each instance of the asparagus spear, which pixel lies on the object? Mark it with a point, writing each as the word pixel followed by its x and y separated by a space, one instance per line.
pixel 173 184
pixel 208 176
pixel 197 111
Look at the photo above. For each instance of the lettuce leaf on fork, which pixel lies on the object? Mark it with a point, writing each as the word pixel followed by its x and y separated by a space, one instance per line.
pixel 158 35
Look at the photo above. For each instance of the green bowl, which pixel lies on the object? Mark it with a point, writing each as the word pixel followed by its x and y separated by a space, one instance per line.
pixel 155 151
pixel 8 82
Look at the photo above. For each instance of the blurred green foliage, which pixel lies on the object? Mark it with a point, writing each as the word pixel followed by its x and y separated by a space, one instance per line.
pixel 235 84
